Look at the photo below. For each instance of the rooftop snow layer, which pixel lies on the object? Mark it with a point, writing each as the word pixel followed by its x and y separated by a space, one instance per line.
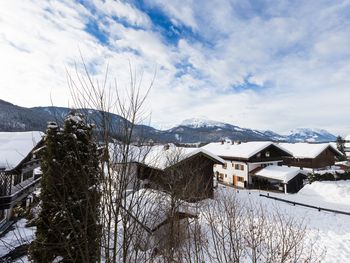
pixel 307 150
pixel 242 150
pixel 15 146
pixel 151 207
pixel 281 173
pixel 161 157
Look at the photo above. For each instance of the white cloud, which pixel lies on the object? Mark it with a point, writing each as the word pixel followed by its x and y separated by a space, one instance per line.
pixel 297 53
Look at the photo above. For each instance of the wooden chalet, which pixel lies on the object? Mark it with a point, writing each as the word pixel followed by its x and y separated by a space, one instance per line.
pixel 19 169
pixel 152 211
pixel 311 155
pixel 184 172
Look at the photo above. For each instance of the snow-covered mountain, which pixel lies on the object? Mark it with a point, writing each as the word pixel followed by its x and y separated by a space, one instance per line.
pixel 16 118
pixel 201 123
pixel 310 135
pixel 222 130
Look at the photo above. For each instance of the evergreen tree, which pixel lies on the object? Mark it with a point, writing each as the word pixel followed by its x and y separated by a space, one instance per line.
pixel 341 147
pixel 68 227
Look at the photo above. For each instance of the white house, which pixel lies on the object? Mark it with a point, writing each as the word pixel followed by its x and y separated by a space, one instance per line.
pixel 243 160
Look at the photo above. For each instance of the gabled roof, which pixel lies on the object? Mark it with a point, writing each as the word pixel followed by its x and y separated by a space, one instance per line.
pixel 280 173
pixel 161 157
pixel 244 150
pixel 308 150
pixel 150 208
pixel 15 146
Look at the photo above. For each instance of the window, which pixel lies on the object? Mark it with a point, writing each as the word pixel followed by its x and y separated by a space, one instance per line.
pixel 221 177
pixel 17 178
pixel 239 166
pixel 225 175
pixel 240 179
pixel 258 155
pixel 267 154
pixel 224 166
pixel 27 175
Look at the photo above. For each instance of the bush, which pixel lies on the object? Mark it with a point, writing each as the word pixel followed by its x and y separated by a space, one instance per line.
pixel 312 177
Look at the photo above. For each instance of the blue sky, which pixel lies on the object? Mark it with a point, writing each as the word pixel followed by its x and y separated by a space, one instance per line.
pixel 274 65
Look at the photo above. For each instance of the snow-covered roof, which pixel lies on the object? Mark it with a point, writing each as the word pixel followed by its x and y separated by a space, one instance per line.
pixel 151 207
pixel 15 146
pixel 347 138
pixel 280 173
pixel 307 150
pixel 161 156
pixel 243 150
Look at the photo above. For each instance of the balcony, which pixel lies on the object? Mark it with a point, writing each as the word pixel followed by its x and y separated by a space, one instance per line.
pixel 16 193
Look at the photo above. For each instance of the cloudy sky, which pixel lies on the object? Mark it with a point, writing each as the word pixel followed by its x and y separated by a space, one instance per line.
pixel 261 64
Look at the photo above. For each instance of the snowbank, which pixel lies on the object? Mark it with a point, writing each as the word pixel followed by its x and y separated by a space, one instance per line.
pixel 337 192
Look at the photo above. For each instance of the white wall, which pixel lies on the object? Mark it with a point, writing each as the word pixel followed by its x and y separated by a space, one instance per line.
pixel 230 171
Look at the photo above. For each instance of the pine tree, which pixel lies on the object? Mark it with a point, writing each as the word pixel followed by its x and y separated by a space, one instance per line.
pixel 341 147
pixel 68 223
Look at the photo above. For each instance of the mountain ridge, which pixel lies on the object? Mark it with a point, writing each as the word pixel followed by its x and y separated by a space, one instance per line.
pixel 17 118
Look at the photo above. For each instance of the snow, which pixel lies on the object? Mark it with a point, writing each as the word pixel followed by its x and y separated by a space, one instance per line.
pixel 201 122
pixel 281 173
pixel 15 146
pixel 331 230
pixel 347 138
pixel 160 157
pixel 307 150
pixel 242 150
pixel 151 207
pixel 18 236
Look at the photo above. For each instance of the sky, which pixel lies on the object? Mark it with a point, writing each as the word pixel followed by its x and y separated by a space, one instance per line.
pixel 269 65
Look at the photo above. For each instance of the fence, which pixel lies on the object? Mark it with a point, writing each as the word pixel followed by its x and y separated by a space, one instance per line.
pixel 305 205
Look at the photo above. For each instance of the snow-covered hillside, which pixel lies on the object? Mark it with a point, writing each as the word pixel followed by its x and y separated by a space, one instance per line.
pixel 310 135
pixel 201 123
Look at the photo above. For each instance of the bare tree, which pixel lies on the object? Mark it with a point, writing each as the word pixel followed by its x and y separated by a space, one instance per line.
pixel 117 136
pixel 246 231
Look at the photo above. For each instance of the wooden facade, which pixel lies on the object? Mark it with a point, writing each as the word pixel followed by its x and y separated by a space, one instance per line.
pixel 325 159
pixel 190 179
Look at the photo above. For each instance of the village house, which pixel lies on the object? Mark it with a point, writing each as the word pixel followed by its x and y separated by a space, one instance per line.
pixel 152 212
pixel 186 173
pixel 19 170
pixel 244 160
pixel 311 156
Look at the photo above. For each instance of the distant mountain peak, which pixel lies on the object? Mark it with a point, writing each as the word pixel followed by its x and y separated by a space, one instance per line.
pixel 201 123
pixel 310 135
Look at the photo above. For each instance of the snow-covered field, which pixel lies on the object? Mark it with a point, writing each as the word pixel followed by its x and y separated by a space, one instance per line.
pixel 18 236
pixel 332 230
